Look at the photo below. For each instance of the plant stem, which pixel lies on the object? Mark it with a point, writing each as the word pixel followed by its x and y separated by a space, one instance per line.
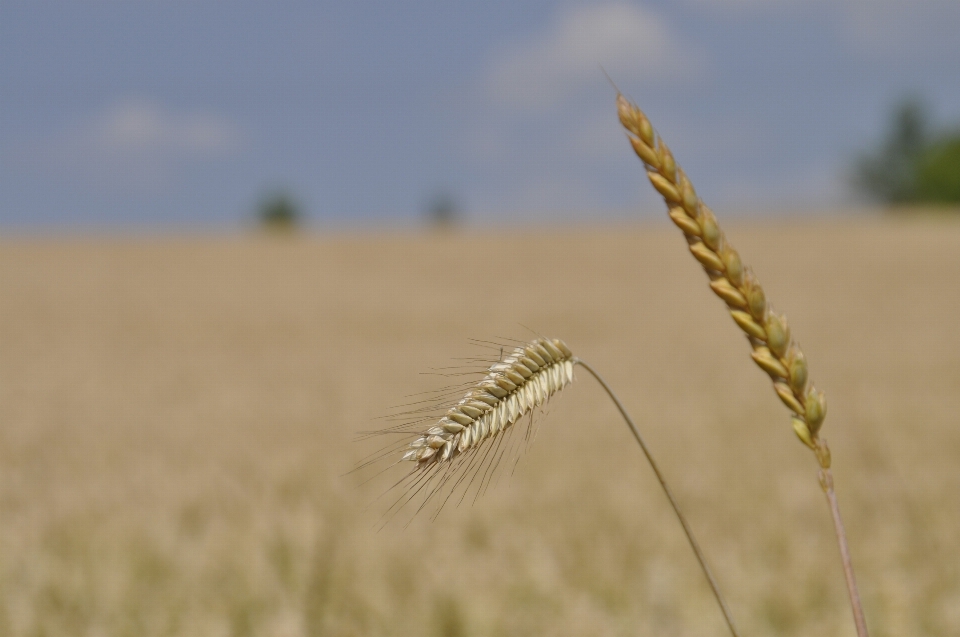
pixel 826 481
pixel 673 502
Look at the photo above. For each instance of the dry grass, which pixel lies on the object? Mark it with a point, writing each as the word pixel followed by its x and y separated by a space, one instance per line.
pixel 175 415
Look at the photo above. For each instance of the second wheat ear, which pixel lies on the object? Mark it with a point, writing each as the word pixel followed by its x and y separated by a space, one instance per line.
pixel 460 442
pixel 768 333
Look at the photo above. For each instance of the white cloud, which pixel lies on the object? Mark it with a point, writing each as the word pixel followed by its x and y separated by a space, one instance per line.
pixel 140 126
pixel 134 142
pixel 631 42
pixel 545 121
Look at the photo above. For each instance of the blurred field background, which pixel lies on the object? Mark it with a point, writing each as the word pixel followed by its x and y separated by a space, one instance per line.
pixel 234 236
pixel 177 413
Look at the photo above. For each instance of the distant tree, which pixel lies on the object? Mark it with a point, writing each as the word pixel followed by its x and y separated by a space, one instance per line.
pixel 912 164
pixel 442 210
pixel 889 174
pixel 938 171
pixel 279 211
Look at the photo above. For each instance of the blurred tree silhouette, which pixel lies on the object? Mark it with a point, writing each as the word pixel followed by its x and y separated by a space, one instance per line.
pixel 912 164
pixel 442 210
pixel 938 171
pixel 279 211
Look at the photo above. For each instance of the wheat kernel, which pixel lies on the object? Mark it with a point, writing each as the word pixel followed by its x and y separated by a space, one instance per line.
pixel 778 334
pixel 644 152
pixel 756 299
pixel 629 117
pixel 470 411
pixel 668 166
pixel 664 187
pixel 728 293
pixel 816 409
pixel 530 364
pixel 748 325
pixel 532 354
pixel 450 426
pixel 786 395
pixel 680 217
pixel 460 417
pixel 765 359
pixel 706 256
pixel 803 433
pixel 690 201
pixel 554 351
pixel 711 231
pixel 734 267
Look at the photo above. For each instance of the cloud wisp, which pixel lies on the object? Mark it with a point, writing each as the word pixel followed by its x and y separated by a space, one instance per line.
pixel 542 128
pixel 632 42
pixel 134 143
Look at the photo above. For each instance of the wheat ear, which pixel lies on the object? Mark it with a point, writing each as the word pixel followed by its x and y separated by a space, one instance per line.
pixel 774 350
pixel 513 387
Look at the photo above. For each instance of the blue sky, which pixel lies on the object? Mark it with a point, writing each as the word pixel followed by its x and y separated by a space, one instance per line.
pixel 145 113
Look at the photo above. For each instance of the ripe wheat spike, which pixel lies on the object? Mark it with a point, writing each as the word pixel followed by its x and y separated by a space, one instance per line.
pixel 774 350
pixel 773 347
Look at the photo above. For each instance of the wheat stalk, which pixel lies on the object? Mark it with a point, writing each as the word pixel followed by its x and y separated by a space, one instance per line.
pixel 774 350
pixel 514 386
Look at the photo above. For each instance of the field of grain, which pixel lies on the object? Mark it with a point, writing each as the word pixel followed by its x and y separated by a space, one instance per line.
pixel 177 415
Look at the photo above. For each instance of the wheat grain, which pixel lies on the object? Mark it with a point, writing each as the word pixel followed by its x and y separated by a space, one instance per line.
pixel 774 350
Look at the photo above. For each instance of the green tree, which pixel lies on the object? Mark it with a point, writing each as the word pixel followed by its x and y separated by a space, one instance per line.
pixel 938 171
pixel 442 210
pixel 888 174
pixel 912 164
pixel 279 211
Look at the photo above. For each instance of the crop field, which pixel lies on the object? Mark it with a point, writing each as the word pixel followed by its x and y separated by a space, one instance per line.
pixel 179 414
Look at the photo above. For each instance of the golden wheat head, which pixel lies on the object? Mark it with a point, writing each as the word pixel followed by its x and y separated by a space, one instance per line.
pixel 773 348
pixel 513 387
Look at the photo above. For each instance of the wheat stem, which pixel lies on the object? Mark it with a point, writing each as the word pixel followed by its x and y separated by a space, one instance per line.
pixel 826 481
pixel 727 615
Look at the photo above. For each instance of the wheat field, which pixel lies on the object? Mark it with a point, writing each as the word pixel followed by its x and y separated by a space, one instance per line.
pixel 178 413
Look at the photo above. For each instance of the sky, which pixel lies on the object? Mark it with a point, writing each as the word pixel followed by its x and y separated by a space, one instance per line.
pixel 139 113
